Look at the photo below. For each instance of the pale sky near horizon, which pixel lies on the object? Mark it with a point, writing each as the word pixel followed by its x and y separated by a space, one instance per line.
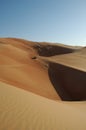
pixel 62 21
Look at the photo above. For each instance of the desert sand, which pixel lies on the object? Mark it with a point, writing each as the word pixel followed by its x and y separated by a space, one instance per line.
pixel 42 86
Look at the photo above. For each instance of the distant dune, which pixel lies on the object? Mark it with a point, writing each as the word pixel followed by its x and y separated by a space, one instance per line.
pixel 38 81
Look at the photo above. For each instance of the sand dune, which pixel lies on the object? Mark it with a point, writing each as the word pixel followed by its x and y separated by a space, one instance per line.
pixel 18 68
pixel 36 82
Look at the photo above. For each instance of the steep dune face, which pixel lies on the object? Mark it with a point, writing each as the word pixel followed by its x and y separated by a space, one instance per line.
pixel 47 50
pixel 69 83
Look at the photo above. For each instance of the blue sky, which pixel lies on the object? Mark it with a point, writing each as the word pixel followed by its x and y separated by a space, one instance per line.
pixel 62 21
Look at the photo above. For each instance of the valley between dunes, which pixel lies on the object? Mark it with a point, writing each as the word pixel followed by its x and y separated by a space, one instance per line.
pixel 42 86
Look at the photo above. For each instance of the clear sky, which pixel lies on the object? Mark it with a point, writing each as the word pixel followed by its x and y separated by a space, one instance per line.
pixel 62 21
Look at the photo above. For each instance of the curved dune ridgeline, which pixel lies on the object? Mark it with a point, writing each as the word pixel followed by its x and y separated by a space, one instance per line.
pixel 42 86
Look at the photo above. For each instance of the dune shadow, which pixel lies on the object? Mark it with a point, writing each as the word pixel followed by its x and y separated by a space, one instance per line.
pixel 49 50
pixel 70 84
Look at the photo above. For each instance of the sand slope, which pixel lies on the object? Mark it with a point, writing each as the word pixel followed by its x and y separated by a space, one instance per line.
pixel 21 110
pixel 34 79
pixel 18 68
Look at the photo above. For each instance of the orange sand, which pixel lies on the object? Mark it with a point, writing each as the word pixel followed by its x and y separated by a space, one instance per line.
pixel 36 82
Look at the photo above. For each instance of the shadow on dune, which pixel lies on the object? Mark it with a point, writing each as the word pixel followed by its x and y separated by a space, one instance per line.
pixel 69 83
pixel 49 50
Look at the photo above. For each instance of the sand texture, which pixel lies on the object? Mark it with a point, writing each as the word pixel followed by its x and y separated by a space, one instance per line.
pixel 42 86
